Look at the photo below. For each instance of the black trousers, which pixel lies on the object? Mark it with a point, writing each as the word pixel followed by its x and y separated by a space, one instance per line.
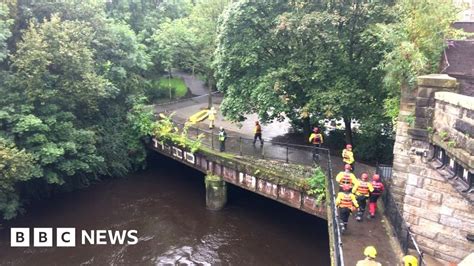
pixel 344 214
pixel 362 201
pixel 222 145
pixel 257 136
pixel 373 198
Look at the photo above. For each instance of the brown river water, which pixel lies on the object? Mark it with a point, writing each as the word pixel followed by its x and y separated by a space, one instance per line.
pixel 166 205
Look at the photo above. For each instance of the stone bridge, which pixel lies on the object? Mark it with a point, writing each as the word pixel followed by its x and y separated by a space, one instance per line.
pixel 433 169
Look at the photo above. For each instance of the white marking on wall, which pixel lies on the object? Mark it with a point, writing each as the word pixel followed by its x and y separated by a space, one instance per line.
pixel 155 142
pixel 177 153
pixel 189 157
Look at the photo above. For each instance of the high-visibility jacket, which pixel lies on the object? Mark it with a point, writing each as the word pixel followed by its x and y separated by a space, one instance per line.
pixel 368 262
pixel 378 188
pixel 258 129
pixel 362 188
pixel 222 135
pixel 347 156
pixel 211 114
pixel 346 178
pixel 316 138
pixel 346 200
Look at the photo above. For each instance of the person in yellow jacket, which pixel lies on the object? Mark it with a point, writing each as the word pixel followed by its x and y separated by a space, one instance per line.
pixel 370 253
pixel 258 133
pixel 348 156
pixel 362 190
pixel 211 115
pixel 410 260
pixel 316 138
pixel 346 177
pixel 347 203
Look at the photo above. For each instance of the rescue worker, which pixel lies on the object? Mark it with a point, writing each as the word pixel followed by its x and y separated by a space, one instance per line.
pixel 361 190
pixel 211 115
pixel 346 177
pixel 348 156
pixel 410 260
pixel 375 194
pixel 347 203
pixel 316 138
pixel 370 253
pixel 222 138
pixel 258 133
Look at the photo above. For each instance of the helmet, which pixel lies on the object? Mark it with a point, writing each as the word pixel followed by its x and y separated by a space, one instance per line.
pixel 256 122
pixel 365 176
pixel 315 130
pixel 346 187
pixel 370 251
pixel 410 260
pixel 376 177
pixel 221 128
pixel 348 146
pixel 347 167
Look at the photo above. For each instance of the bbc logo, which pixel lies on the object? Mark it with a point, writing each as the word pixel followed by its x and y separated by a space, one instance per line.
pixel 42 237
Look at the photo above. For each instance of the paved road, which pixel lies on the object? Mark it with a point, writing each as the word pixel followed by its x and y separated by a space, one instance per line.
pixel 359 234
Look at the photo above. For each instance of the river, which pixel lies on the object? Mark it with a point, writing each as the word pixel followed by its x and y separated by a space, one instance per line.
pixel 166 204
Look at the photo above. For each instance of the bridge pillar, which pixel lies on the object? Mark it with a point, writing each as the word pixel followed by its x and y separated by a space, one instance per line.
pixel 216 192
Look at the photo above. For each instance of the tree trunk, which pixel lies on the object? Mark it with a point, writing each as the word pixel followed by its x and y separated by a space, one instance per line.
pixel 348 130
pixel 306 128
pixel 210 90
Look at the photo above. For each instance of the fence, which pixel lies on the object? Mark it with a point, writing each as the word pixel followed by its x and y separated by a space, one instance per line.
pixel 392 211
pixel 286 152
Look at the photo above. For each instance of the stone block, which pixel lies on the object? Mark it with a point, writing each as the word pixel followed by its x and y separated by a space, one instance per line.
pixel 410 218
pixel 409 200
pixel 423 102
pixel 426 92
pixel 446 257
pixel 453 110
pixel 470 113
pixel 421 213
pixel 455 222
pixel 465 215
pixel 423 194
pixel 456 202
pixel 430 226
pixel 422 122
pixel 420 112
pixel 438 81
pixel 418 133
pixel 464 127
pixel 414 180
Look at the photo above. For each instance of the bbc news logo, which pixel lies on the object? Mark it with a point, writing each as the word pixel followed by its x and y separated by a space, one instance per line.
pixel 66 237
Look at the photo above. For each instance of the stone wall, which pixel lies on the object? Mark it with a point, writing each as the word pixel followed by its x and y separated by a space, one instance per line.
pixel 439 214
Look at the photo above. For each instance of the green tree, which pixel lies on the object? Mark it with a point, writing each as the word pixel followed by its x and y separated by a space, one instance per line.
pixel 304 60
pixel 5 33
pixel 417 41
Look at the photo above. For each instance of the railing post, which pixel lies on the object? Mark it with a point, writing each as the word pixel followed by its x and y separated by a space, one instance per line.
pixel 263 152
pixel 287 152
pixel 212 139
pixel 240 146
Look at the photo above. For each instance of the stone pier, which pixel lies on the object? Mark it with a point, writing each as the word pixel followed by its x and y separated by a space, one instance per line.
pixel 216 192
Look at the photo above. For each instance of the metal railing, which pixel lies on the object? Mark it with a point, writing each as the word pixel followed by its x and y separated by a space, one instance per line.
pixel 285 152
pixel 392 211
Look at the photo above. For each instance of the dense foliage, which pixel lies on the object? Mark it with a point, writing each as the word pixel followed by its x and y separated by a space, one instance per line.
pixel 75 75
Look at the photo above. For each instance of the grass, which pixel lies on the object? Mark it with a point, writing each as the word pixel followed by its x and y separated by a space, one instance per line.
pixel 177 84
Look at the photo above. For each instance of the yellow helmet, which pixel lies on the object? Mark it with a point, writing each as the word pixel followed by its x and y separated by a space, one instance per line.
pixel 410 260
pixel 370 251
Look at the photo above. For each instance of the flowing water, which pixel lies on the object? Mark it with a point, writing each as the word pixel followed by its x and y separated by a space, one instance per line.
pixel 166 204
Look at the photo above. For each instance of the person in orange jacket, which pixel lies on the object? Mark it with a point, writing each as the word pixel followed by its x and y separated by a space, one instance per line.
pixel 375 194
pixel 346 177
pixel 347 203
pixel 361 190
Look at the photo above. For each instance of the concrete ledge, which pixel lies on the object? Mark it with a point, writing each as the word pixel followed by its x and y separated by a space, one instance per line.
pixel 437 81
pixel 466 102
